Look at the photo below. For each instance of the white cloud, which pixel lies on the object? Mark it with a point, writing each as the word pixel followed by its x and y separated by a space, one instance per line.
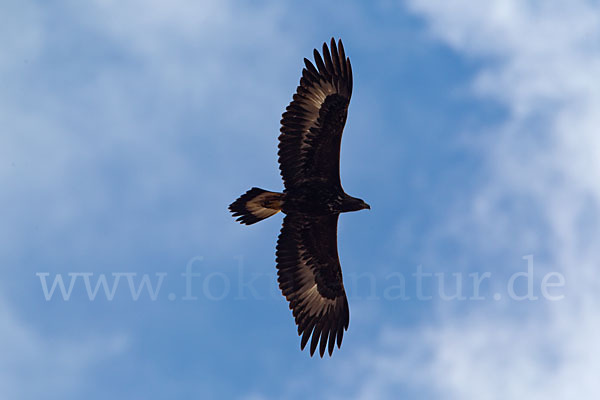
pixel 92 135
pixel 541 61
pixel 32 366
pixel 131 105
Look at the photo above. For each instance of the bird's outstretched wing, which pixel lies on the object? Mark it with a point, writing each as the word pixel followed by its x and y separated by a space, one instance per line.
pixel 310 278
pixel 312 125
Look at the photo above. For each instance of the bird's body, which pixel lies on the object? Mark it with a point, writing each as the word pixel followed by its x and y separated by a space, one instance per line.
pixel 310 276
pixel 318 199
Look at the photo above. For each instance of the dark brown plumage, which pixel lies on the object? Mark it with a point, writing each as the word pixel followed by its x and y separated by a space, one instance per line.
pixel 309 272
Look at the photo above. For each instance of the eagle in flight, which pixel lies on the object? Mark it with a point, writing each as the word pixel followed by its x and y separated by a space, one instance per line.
pixel 308 267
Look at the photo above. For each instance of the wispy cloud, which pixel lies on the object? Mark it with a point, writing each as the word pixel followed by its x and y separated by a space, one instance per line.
pixel 118 120
pixel 123 117
pixel 542 187
pixel 539 192
pixel 33 366
pixel 131 107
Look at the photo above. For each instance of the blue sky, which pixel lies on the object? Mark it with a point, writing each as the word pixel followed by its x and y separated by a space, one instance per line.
pixel 129 126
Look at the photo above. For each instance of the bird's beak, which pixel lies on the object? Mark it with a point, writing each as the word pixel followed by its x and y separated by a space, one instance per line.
pixel 368 207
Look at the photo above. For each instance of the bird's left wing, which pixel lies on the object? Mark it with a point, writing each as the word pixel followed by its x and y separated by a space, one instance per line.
pixel 310 278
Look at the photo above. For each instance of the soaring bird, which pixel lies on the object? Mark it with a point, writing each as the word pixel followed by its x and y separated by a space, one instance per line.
pixel 309 271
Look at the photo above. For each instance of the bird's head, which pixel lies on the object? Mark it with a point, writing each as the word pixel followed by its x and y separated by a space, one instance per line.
pixel 364 205
pixel 355 204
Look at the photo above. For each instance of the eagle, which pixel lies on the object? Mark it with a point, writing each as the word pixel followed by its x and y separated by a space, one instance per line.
pixel 308 266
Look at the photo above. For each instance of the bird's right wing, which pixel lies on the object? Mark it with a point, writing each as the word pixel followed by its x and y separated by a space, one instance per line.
pixel 310 278
pixel 312 125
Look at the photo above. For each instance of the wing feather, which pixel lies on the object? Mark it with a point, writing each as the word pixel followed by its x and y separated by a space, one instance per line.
pixel 312 125
pixel 310 278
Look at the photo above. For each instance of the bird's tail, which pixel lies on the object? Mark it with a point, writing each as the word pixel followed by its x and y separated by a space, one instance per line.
pixel 255 205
